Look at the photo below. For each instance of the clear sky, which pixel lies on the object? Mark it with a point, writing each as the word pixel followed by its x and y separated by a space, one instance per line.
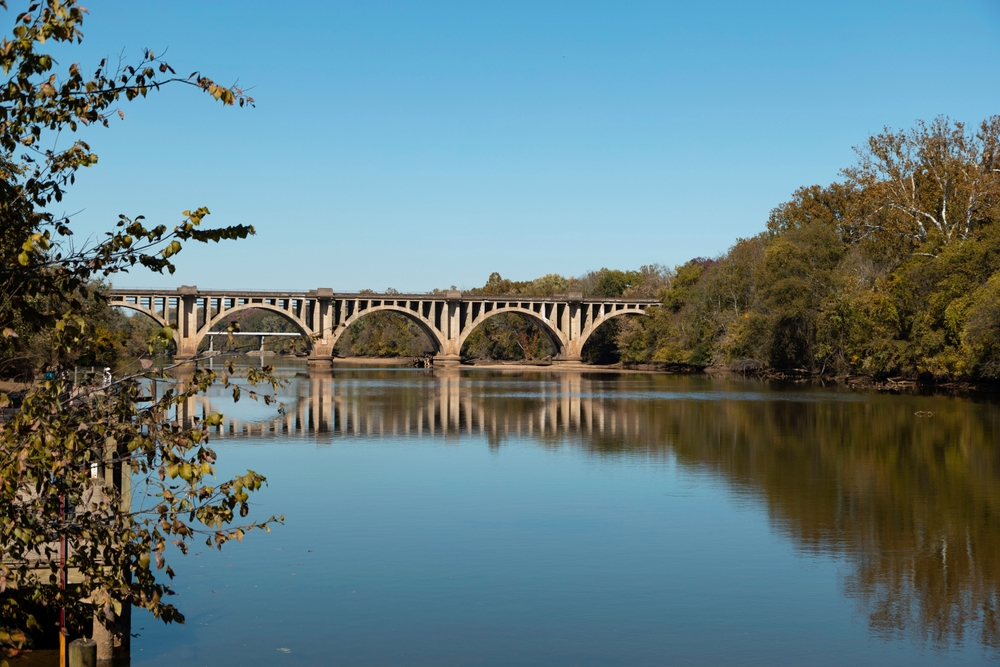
pixel 426 144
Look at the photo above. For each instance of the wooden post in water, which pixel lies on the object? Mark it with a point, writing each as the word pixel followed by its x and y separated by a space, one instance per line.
pixel 83 653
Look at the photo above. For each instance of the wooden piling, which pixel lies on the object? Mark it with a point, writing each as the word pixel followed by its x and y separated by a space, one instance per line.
pixel 83 653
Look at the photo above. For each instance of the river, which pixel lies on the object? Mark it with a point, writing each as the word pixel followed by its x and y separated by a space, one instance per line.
pixel 521 518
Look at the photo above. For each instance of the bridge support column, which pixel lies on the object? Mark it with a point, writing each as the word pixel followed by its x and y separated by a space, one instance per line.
pixel 450 355
pixel 321 350
pixel 574 352
pixel 572 330
pixel 186 334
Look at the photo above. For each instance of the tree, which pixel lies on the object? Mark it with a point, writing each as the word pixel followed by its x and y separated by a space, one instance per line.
pixel 933 184
pixel 59 439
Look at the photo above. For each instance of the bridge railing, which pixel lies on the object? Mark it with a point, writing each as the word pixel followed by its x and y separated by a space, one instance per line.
pixel 384 296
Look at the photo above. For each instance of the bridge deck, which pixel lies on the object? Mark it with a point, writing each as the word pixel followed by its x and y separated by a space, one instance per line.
pixel 411 296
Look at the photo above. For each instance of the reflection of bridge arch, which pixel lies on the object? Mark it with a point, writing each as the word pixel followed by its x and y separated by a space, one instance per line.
pixel 413 315
pixel 229 312
pixel 559 343
pixel 451 406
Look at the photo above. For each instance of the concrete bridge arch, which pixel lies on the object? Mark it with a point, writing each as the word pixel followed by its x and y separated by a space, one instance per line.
pixel 432 332
pixel 145 311
pixel 603 319
pixel 556 337
pixel 226 314
pixel 138 307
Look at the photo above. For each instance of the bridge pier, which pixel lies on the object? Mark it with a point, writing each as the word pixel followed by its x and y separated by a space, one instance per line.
pixel 319 361
pixel 450 325
pixel 186 334
pixel 323 322
pixel 572 356
pixel 446 360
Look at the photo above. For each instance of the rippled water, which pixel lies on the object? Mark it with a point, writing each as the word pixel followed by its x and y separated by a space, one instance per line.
pixel 480 518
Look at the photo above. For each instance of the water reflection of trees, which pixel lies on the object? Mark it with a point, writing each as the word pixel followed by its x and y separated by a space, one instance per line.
pixel 912 502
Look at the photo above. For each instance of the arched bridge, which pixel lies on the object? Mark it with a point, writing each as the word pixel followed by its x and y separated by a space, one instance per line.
pixel 322 315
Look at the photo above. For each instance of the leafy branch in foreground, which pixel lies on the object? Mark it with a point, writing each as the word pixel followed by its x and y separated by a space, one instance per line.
pixel 44 280
pixel 60 456
pixel 100 475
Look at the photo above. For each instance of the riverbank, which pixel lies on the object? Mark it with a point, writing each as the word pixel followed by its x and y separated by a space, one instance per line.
pixel 744 370
pixel 673 369
pixel 380 361
pixel 897 384
pixel 755 373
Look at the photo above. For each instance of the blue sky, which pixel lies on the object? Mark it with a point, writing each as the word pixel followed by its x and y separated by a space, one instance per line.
pixel 425 144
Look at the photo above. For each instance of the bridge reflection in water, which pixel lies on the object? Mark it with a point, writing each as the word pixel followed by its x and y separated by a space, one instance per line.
pixel 905 489
pixel 380 403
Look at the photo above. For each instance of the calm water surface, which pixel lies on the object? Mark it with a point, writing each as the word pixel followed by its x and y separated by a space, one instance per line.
pixel 482 518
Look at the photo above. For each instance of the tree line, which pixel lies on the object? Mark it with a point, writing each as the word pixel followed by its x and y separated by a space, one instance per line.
pixel 891 271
